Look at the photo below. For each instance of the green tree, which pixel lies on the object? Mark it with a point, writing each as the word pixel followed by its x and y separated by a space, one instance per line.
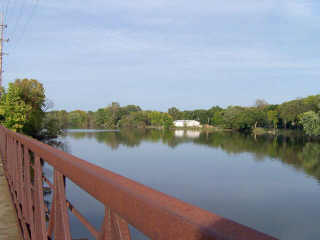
pixel 211 113
pixel 311 123
pixel 174 113
pixel 53 127
pixel 100 117
pixel 129 109
pixel 77 119
pixel 110 116
pixel 233 118
pixel 156 118
pixel 202 116
pixel 167 121
pixel 217 119
pixel 13 109
pixel 135 119
pixel 289 111
pixel 32 93
pixel 273 118
pixel 23 108
pixel 256 116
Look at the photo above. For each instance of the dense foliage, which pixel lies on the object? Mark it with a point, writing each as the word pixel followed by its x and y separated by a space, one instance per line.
pixel 286 115
pixel 22 109
pixel 113 116
pixel 311 123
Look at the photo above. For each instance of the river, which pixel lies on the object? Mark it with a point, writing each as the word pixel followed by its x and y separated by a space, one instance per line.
pixel 269 183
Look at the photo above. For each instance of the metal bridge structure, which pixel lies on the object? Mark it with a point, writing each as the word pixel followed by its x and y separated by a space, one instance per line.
pixel 126 202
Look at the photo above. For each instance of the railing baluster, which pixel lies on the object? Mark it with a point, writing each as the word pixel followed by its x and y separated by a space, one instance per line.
pixel 61 218
pixel 122 226
pixel 8 171
pixel 52 218
pixel 83 220
pixel 10 164
pixel 8 148
pixel 19 173
pixel 114 227
pixel 29 214
pixel 20 196
pixel 15 176
pixel 39 214
pixel 13 165
pixel 15 168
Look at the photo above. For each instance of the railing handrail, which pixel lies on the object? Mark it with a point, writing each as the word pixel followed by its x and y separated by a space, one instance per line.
pixel 156 214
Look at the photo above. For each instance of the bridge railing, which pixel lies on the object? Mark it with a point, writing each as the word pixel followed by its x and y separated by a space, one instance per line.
pixel 155 214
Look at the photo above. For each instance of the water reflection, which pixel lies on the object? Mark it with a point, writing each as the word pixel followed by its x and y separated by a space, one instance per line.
pixel 187 134
pixel 298 151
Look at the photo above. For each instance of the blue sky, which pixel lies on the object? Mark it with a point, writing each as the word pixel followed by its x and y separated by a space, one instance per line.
pixel 158 54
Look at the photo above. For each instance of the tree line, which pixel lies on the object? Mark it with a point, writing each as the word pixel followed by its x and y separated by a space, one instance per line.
pixel 300 113
pixel 24 108
pixel 110 117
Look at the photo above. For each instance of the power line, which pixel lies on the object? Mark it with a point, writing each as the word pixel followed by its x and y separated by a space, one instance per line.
pixel 27 22
pixel 17 22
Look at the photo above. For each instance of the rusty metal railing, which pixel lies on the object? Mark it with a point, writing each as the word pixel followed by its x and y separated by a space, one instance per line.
pixel 155 214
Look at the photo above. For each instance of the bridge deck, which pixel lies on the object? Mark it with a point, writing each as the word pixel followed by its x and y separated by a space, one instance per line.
pixel 8 219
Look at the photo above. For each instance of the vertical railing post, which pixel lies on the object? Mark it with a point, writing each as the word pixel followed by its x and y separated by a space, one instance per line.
pixel 20 173
pixel 5 159
pixel 9 162
pixel 52 218
pixel 20 203
pixel 39 213
pixel 15 168
pixel 61 218
pixel 7 168
pixel 28 208
pixel 114 227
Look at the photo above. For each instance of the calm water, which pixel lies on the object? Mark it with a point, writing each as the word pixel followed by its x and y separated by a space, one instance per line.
pixel 268 183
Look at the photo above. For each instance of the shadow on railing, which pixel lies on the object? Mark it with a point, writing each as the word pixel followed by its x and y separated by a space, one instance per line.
pixel 155 214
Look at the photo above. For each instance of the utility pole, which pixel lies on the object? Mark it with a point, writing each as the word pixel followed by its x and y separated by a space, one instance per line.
pixel 2 40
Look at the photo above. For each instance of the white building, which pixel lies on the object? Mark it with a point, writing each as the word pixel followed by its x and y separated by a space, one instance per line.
pixel 186 123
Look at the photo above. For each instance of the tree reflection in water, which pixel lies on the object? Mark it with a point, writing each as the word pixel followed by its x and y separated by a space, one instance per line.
pixel 299 151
